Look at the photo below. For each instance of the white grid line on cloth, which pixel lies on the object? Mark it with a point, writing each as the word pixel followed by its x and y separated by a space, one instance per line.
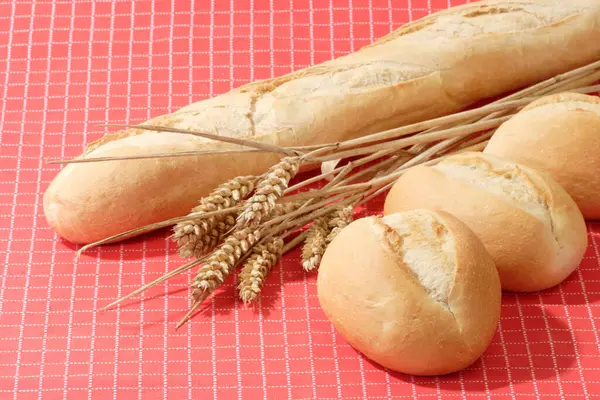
pixel 506 360
pixel 552 349
pixel 53 254
pixel 165 370
pixel 292 294
pixel 574 340
pixel 92 337
pixel 280 373
pixel 7 72
pixel 86 125
pixel 2 120
pixel 235 275
pixel 75 263
pixel 442 381
pixel 29 259
pixel 527 347
pixel 584 292
pixel 167 283
pixel 275 11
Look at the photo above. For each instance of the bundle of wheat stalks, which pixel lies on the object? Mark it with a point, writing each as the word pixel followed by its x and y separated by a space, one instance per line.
pixel 251 221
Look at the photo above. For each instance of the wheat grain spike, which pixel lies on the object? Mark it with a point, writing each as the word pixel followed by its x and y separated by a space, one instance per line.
pixel 270 189
pixel 223 260
pixel 340 219
pixel 315 244
pixel 257 267
pixel 199 236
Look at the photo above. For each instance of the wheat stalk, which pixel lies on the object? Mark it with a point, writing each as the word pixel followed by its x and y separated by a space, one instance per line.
pixel 198 236
pixel 219 265
pixel 267 147
pixel 276 210
pixel 257 267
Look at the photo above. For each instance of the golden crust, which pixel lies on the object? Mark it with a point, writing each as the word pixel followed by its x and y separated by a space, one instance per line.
pixel 375 302
pixel 442 65
pixel 530 253
pixel 560 135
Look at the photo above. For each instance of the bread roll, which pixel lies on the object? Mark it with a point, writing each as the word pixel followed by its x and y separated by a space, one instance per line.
pixel 415 292
pixel 431 67
pixel 529 224
pixel 559 134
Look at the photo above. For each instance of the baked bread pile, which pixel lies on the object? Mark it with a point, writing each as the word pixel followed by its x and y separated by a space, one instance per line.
pixel 418 290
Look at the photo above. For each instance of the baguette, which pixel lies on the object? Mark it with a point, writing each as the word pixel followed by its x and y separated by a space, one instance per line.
pixel 528 223
pixel 559 134
pixel 415 292
pixel 434 66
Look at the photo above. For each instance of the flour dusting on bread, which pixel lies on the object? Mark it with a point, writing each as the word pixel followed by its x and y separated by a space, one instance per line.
pixel 505 180
pixel 422 241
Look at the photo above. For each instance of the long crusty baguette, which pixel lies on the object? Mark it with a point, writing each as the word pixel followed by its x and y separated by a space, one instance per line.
pixel 431 67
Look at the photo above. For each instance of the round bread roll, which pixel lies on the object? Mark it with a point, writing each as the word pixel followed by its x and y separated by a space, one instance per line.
pixel 528 223
pixel 559 134
pixel 416 292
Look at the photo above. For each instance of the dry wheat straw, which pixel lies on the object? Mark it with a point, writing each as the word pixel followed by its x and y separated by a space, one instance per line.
pixel 263 221
pixel 257 268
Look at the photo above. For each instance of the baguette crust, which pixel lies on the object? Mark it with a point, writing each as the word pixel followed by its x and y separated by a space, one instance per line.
pixel 559 134
pixel 533 251
pixel 431 67
pixel 367 290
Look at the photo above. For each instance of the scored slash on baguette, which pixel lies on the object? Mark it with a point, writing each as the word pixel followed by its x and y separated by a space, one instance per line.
pixel 355 107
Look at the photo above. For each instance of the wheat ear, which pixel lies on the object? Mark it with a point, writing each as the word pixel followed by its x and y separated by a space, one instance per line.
pixel 315 244
pixel 196 236
pixel 270 189
pixel 222 262
pixel 341 218
pixel 257 267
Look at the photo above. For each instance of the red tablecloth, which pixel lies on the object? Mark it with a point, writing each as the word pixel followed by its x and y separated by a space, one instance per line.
pixel 66 67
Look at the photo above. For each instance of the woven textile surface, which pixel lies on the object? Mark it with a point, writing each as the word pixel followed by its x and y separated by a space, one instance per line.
pixel 68 66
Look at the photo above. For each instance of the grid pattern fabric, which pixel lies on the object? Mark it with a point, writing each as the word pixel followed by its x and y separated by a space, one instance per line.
pixel 67 66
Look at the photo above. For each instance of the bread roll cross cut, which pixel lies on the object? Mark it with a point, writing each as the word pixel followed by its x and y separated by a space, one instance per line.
pixel 415 291
pixel 529 224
